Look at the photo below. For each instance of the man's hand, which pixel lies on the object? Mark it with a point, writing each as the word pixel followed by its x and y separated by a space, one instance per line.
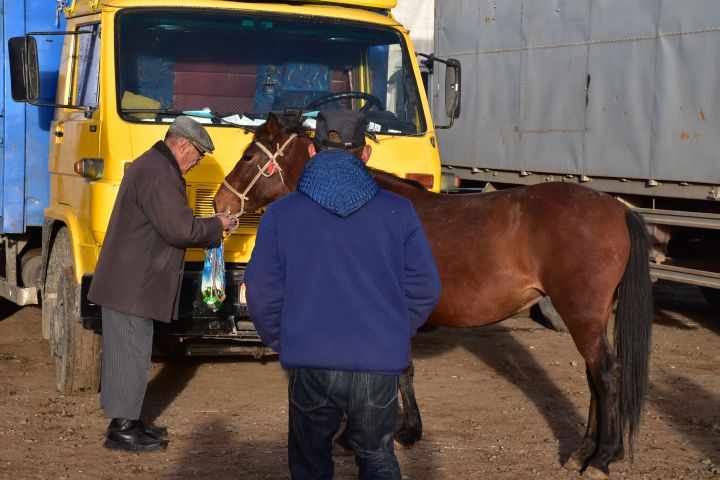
pixel 227 222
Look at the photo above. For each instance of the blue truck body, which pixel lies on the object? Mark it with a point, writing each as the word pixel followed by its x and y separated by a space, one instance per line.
pixel 24 129
pixel 24 148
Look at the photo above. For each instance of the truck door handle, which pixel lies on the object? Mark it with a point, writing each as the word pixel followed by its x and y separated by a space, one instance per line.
pixel 59 129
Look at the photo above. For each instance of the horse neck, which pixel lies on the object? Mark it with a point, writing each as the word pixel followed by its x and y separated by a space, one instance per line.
pixel 295 160
pixel 410 190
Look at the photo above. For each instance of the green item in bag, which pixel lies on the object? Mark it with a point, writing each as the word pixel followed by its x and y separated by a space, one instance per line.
pixel 213 278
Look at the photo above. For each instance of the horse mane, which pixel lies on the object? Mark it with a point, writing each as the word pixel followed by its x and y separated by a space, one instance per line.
pixel 288 122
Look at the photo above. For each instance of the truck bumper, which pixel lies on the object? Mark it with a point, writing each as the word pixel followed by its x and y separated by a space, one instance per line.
pixel 18 295
pixel 195 319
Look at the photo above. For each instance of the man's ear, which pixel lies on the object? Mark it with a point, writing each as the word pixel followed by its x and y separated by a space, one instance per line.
pixel 311 150
pixel 365 154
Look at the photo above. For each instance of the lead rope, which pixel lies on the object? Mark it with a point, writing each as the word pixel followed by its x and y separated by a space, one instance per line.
pixel 279 152
pixel 214 294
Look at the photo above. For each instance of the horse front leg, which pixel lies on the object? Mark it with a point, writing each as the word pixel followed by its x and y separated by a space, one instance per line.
pixel 410 429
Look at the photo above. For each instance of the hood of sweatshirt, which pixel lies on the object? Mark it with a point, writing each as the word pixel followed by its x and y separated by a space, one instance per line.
pixel 338 181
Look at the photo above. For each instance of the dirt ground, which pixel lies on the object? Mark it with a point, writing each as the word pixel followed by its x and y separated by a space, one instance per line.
pixel 502 402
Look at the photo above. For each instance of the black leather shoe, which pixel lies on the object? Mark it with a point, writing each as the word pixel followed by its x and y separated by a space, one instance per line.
pixel 152 430
pixel 124 434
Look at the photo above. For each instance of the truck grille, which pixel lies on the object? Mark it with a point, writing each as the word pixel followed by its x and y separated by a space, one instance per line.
pixel 202 198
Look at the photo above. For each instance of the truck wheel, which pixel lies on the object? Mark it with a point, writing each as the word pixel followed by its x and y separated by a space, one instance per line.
pixel 30 268
pixel 77 351
pixel 712 295
pixel 544 313
pixel 60 257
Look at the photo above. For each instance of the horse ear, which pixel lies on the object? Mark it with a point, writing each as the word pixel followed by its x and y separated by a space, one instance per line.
pixel 272 126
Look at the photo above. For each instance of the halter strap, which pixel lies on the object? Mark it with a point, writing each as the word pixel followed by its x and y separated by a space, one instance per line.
pixel 279 152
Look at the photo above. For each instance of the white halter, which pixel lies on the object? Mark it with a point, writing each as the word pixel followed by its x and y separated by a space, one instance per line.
pixel 271 164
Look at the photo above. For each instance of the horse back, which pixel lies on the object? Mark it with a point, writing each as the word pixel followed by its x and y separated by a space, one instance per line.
pixel 498 252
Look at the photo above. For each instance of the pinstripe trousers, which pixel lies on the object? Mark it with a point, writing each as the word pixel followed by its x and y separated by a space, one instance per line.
pixel 127 347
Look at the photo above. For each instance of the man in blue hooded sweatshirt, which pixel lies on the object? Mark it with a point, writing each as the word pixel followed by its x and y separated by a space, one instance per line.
pixel 340 279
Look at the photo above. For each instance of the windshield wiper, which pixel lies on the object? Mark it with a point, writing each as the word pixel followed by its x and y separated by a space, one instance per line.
pixel 190 113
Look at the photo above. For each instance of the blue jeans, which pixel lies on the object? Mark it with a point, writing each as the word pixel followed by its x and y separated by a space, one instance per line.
pixel 318 401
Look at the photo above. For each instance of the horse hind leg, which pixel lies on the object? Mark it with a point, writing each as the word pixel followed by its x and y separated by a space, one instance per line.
pixel 603 375
pixel 581 456
pixel 603 441
pixel 610 430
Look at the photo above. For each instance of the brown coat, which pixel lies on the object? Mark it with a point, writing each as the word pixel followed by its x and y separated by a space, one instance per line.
pixel 141 263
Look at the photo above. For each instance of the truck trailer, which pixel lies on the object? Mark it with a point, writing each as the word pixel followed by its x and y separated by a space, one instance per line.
pixel 617 96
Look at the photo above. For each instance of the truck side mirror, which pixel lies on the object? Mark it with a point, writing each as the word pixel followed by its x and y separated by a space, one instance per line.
pixel 452 88
pixel 452 85
pixel 24 72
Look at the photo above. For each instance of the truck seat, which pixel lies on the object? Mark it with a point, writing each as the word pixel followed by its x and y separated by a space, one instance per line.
pixel 298 84
pixel 224 88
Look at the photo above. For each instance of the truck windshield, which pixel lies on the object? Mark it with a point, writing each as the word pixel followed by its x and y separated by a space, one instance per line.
pixel 239 68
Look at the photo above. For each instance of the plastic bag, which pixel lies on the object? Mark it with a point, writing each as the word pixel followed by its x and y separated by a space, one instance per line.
pixel 213 278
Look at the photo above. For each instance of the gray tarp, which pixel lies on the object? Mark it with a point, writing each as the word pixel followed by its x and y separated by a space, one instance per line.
pixel 600 88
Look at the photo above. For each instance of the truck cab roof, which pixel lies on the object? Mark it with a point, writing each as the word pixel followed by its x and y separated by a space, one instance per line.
pixel 81 7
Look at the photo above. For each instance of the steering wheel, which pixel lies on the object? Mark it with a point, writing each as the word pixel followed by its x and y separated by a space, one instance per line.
pixel 372 100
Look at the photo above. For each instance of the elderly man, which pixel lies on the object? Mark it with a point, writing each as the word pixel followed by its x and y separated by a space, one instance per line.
pixel 138 275
pixel 340 278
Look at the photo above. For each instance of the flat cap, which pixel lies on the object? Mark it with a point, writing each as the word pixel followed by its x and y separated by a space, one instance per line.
pixel 191 130
pixel 348 125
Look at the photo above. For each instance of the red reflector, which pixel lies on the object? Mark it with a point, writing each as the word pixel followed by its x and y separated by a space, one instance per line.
pixel 90 168
pixel 424 179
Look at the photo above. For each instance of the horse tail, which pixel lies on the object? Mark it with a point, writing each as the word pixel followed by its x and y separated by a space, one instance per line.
pixel 633 323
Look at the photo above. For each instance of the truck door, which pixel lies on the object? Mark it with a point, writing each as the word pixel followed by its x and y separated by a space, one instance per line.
pixel 75 132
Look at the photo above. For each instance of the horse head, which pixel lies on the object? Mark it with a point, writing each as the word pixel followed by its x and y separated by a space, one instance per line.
pixel 269 168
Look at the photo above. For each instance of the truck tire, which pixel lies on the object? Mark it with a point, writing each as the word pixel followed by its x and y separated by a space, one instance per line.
pixel 60 257
pixel 544 313
pixel 30 268
pixel 77 352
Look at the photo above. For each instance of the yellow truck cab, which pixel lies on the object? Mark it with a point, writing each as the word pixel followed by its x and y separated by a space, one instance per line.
pixel 129 67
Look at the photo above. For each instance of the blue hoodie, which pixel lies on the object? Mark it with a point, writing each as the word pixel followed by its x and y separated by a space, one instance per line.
pixel 342 274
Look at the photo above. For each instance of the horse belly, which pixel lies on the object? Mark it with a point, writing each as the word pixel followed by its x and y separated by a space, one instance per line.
pixel 485 274
pixel 468 301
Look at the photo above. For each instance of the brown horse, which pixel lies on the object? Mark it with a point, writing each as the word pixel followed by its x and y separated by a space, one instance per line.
pixel 499 253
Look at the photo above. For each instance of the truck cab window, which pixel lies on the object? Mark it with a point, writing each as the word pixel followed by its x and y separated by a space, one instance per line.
pixel 241 67
pixel 88 66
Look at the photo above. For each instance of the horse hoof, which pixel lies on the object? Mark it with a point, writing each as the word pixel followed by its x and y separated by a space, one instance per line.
pixel 401 446
pixel 404 439
pixel 594 473
pixel 573 464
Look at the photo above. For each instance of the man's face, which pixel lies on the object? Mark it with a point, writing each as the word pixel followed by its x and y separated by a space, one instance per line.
pixel 190 156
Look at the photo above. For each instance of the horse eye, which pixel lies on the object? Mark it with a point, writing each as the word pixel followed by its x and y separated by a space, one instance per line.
pixel 246 157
